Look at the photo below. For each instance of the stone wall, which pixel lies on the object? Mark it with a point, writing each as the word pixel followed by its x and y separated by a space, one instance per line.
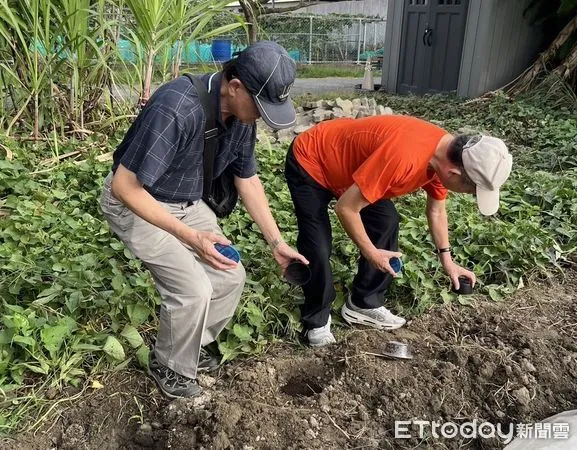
pixel 318 111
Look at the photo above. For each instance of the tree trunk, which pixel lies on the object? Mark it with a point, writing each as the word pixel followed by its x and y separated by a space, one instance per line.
pixel 532 74
pixel 568 66
pixel 561 38
pixel 250 8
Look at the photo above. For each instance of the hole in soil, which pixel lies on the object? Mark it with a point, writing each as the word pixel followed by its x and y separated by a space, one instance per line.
pixel 301 387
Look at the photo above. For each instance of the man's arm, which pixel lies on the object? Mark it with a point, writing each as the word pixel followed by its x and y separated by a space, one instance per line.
pixel 253 197
pixel 439 228
pixel 126 188
pixel 348 210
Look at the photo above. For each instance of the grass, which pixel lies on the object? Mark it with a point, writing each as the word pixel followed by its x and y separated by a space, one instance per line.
pixel 332 70
pixel 125 74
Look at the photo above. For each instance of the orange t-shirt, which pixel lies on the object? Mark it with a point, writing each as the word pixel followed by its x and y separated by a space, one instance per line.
pixel 386 156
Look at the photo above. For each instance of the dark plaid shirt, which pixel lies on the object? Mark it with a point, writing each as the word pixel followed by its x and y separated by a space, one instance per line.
pixel 164 146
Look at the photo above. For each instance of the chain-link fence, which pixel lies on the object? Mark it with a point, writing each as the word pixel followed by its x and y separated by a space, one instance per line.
pixel 309 39
pixel 323 39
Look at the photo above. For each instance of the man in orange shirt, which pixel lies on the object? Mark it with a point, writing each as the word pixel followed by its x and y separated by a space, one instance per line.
pixel 365 163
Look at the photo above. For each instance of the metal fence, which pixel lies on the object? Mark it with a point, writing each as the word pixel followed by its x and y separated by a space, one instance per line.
pixel 323 39
pixel 309 38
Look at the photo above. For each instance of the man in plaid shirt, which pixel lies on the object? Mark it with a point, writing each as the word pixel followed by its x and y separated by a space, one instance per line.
pixel 152 200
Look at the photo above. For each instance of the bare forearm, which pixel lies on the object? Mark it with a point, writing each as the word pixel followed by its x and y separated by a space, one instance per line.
pixel 438 224
pixel 254 199
pixel 348 209
pixel 439 228
pixel 353 225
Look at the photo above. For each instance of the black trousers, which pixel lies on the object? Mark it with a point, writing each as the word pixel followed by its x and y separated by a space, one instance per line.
pixel 314 241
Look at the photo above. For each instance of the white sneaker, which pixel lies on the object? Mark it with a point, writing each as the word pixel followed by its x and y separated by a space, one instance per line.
pixel 380 318
pixel 318 337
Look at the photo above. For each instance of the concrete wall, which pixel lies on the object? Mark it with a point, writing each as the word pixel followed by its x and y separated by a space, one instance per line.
pixel 499 44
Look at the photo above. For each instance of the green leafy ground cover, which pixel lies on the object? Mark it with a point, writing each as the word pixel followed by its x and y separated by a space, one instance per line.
pixel 74 300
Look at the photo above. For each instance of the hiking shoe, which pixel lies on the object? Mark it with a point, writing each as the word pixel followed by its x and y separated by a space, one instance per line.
pixel 207 362
pixel 318 337
pixel 380 318
pixel 172 384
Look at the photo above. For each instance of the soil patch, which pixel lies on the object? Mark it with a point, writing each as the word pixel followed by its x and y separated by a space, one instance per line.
pixel 504 363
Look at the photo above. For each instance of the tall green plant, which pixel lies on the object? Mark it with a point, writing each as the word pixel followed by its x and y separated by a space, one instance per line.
pixel 84 34
pixel 57 60
pixel 161 23
pixel 178 14
pixel 26 28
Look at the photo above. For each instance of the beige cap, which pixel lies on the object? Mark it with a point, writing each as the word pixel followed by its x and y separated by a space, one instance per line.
pixel 488 163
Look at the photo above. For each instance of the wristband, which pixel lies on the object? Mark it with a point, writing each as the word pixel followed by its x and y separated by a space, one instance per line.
pixel 444 250
pixel 275 243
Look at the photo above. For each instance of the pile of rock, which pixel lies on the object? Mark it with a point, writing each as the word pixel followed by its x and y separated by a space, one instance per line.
pixel 318 111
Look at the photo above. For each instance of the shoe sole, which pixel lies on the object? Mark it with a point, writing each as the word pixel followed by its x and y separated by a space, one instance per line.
pixel 352 317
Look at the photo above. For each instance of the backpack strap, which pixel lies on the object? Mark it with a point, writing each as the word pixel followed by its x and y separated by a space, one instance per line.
pixel 210 131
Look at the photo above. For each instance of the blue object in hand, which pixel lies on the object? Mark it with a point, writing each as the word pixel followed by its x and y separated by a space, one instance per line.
pixel 229 251
pixel 396 264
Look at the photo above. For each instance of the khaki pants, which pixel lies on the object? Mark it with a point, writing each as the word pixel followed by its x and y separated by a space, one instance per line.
pixel 197 300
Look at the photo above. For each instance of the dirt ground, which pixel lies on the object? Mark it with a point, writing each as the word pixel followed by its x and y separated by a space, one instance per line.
pixel 513 362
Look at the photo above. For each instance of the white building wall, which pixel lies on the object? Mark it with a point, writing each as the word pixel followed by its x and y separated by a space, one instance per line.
pixel 376 8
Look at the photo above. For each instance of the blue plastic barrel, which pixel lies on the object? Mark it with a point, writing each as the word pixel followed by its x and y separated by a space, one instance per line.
pixel 221 49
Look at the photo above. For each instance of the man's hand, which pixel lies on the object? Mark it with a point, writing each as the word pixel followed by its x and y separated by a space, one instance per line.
pixel 455 271
pixel 284 254
pixel 202 242
pixel 381 260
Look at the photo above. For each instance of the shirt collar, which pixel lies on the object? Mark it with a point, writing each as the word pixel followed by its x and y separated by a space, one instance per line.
pixel 213 85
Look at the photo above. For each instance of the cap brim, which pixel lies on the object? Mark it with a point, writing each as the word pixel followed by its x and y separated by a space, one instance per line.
pixel 487 201
pixel 277 115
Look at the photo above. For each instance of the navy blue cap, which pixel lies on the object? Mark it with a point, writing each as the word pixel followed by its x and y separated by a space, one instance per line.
pixel 268 72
